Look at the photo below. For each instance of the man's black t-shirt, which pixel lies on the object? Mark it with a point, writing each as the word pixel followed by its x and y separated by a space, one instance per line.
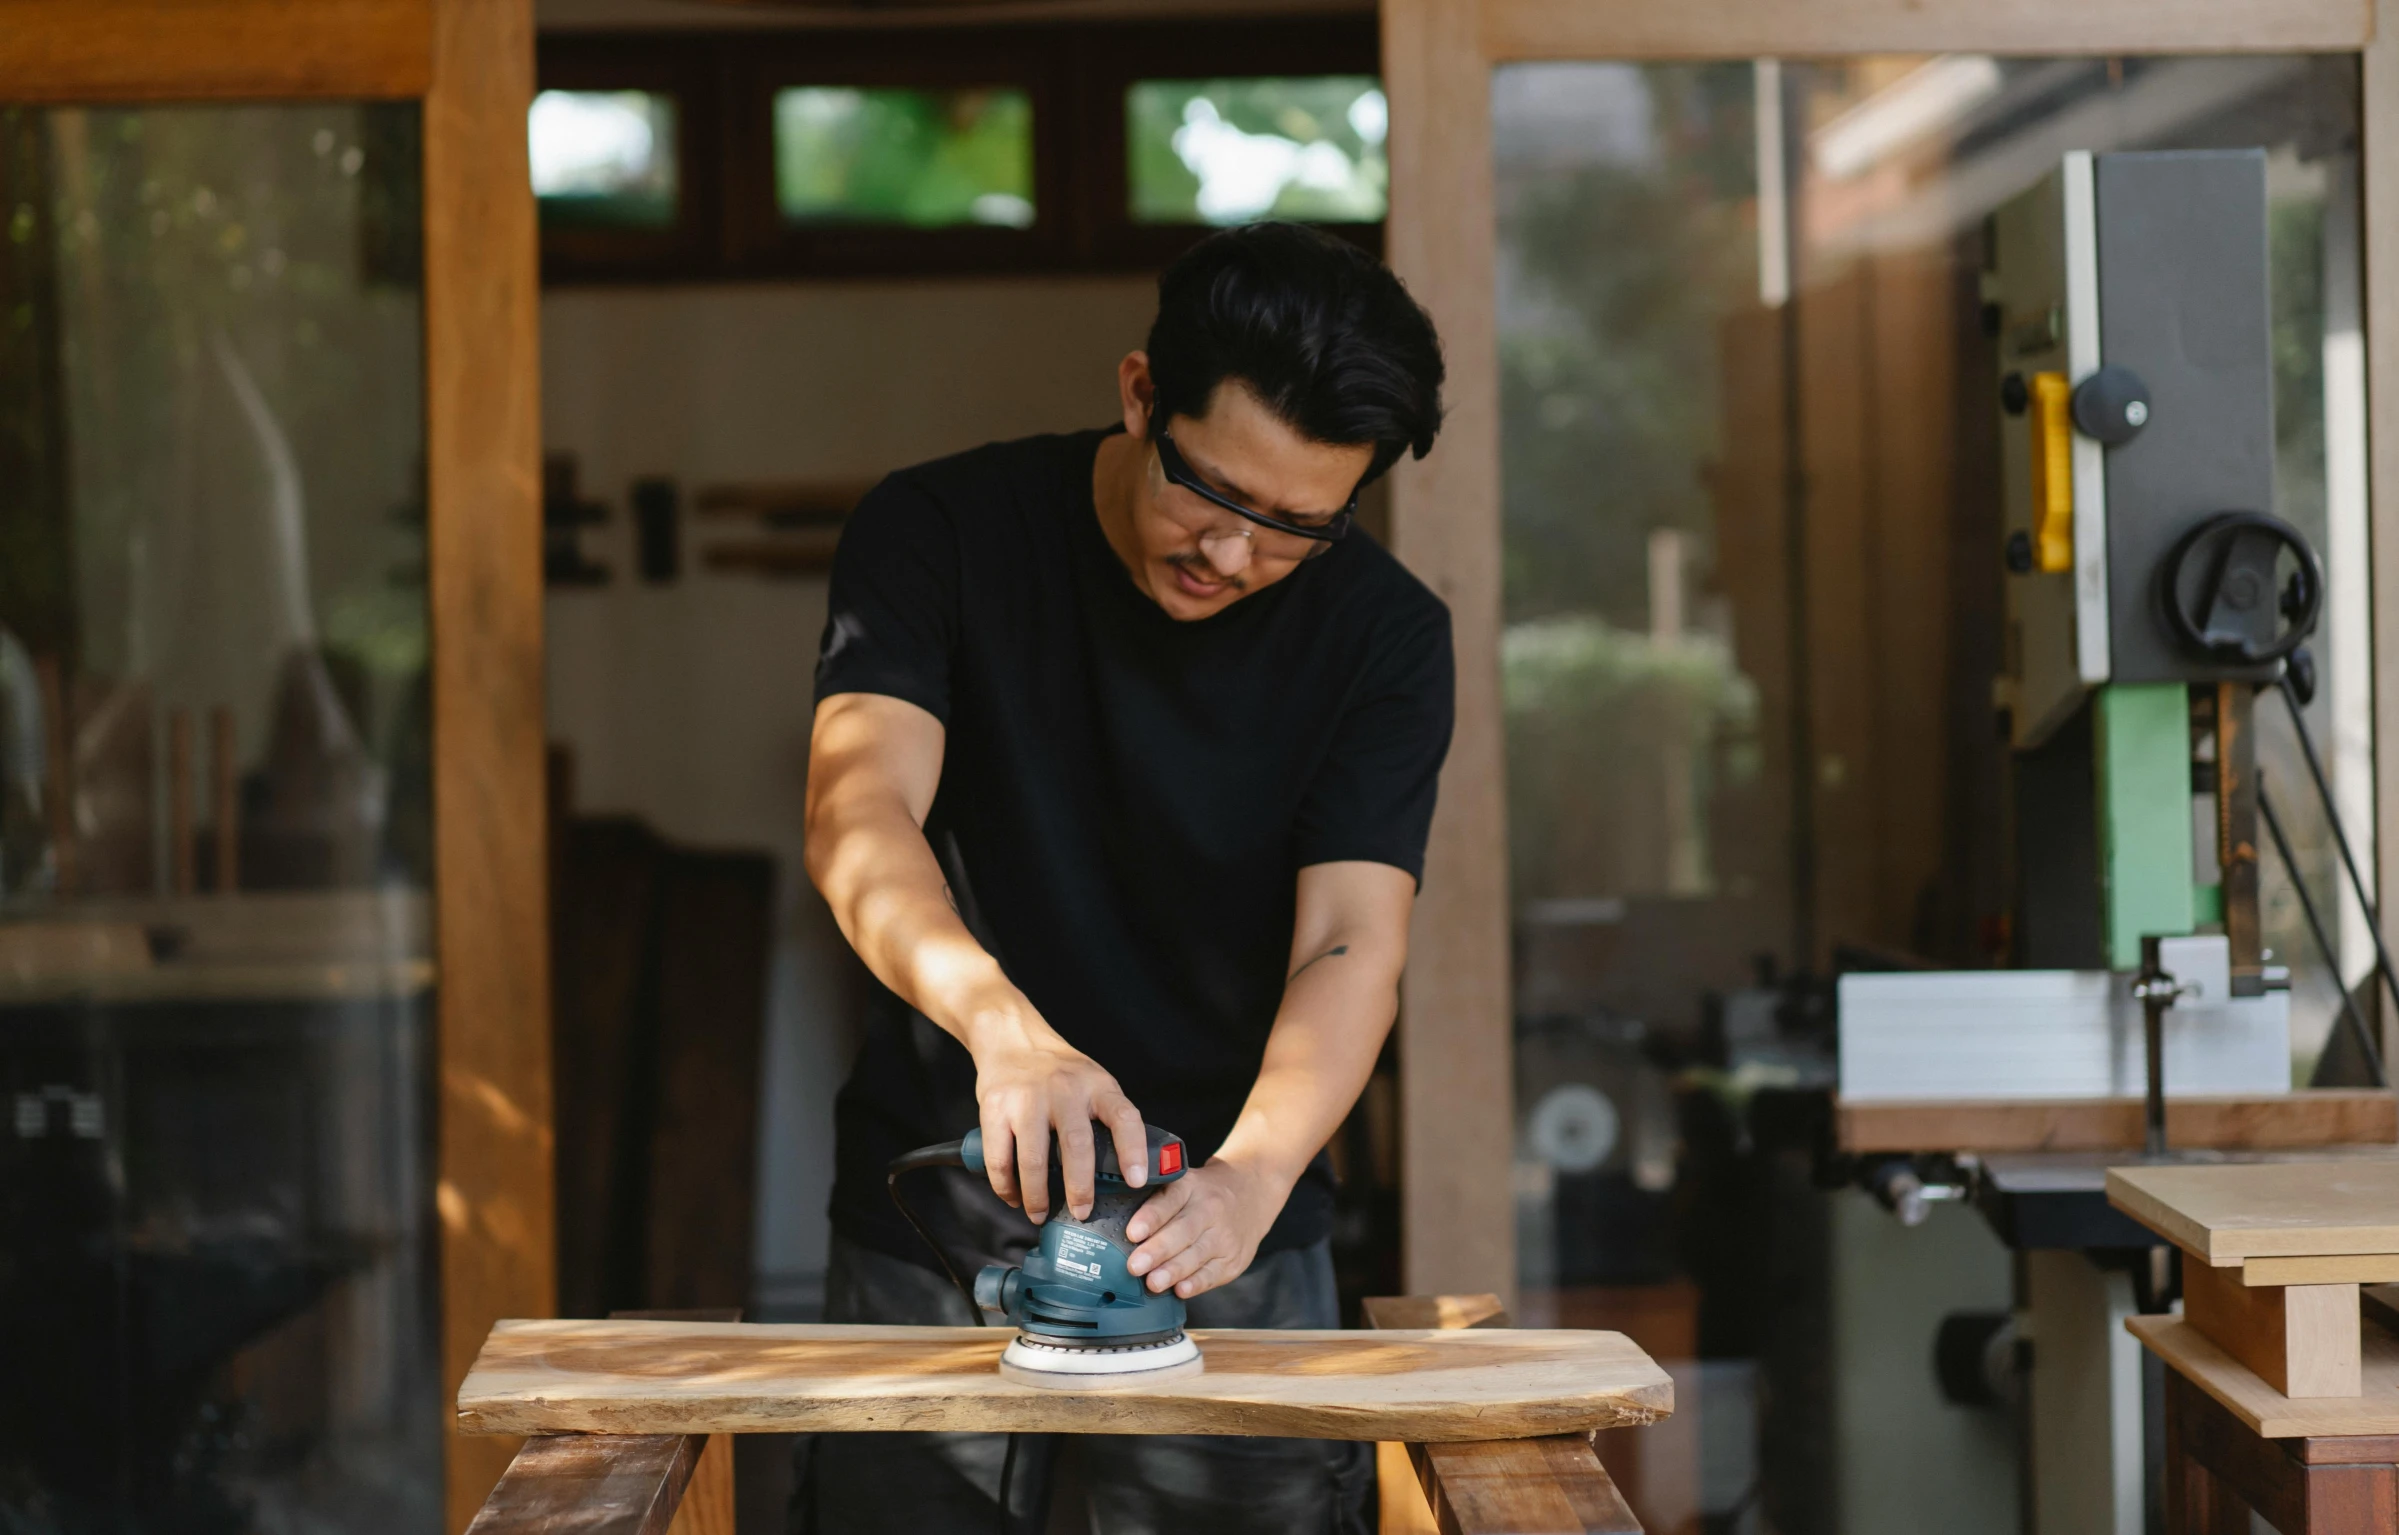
pixel 1125 800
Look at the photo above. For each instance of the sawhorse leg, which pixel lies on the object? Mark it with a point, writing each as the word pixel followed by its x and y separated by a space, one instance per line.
pixel 2217 1470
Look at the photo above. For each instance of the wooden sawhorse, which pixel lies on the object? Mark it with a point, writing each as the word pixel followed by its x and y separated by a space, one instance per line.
pixel 682 1484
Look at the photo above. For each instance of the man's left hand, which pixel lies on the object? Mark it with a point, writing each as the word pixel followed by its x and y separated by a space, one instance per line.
pixel 1202 1230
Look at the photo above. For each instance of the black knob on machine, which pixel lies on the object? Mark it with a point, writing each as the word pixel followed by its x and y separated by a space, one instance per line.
pixel 2111 405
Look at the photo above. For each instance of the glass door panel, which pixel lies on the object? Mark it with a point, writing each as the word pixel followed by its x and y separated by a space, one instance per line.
pixel 1753 607
pixel 218 1297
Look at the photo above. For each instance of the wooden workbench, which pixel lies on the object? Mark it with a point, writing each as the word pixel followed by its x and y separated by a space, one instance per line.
pixel 2282 1390
pixel 659 1377
pixel 651 1483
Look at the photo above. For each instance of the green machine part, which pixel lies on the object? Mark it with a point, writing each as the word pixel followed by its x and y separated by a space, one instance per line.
pixel 2142 739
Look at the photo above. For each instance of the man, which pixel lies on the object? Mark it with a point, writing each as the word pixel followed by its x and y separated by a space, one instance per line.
pixel 1124 756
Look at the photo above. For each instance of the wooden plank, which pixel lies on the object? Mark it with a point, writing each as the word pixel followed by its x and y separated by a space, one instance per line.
pixel 1740 29
pixel 592 1484
pixel 55 51
pixel 2275 1122
pixel 1481 1488
pixel 1844 836
pixel 2361 1269
pixel 483 472
pixel 654 1377
pixel 1393 1313
pixel 716 922
pixel 1401 1506
pixel 2302 1340
pixel 1913 481
pixel 2226 1212
pixel 1404 1508
pixel 2267 1412
pixel 1457 1108
pixel 707 1507
pixel 2217 1472
pixel 1547 1486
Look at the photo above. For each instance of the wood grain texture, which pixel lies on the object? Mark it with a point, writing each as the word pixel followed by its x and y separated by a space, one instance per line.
pixel 1457 1109
pixel 1401 1508
pixel 1393 1313
pixel 204 50
pixel 2279 1122
pixel 2223 1213
pixel 654 1377
pixel 707 1506
pixel 590 1484
pixel 2216 1471
pixel 483 448
pixel 2267 1412
pixel 2300 1339
pixel 2365 1268
pixel 1547 1486
pixel 1741 29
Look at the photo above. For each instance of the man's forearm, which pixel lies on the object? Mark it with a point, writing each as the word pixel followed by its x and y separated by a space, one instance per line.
pixel 1336 1011
pixel 886 891
pixel 874 765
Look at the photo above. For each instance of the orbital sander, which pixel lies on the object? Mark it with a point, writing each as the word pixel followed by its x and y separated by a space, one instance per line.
pixel 1080 1316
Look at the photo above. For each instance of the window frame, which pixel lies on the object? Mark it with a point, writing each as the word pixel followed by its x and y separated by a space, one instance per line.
pixel 761 242
pixel 1120 56
pixel 675 67
pixel 729 227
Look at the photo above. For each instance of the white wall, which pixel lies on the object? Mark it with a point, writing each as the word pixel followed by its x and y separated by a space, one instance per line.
pixel 688 704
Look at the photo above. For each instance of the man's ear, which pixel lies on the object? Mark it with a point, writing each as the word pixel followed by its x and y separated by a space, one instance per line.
pixel 1136 392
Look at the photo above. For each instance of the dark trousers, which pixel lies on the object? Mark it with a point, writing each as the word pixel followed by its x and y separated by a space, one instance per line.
pixel 937 1484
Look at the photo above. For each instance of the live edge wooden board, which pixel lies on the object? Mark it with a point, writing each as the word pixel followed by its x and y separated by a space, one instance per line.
pixel 624 1377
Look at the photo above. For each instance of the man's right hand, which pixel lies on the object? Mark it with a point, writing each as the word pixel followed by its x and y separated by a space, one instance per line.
pixel 1031 1083
pixel 874 764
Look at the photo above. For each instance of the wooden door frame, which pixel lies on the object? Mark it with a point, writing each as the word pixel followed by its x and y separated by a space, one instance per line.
pixel 470 63
pixel 1457 1111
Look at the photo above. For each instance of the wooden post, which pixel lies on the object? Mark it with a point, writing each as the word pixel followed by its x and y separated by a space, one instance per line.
pixel 2301 1339
pixel 483 478
pixel 183 832
pixel 224 783
pixel 1457 1114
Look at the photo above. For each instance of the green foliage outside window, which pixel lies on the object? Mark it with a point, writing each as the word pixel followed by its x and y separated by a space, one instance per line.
pixel 1228 151
pixel 923 158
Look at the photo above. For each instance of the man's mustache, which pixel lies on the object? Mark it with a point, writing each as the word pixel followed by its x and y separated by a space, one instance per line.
pixel 1198 565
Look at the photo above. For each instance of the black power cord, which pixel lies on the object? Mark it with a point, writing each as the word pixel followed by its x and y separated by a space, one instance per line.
pixel 951 1154
pixel 2340 838
pixel 2315 926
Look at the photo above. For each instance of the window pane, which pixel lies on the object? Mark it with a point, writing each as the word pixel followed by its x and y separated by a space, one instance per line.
pixel 1227 151
pixel 218 1300
pixel 1755 600
pixel 604 159
pixel 926 158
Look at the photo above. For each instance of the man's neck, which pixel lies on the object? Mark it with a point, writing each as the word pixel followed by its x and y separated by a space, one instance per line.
pixel 1117 471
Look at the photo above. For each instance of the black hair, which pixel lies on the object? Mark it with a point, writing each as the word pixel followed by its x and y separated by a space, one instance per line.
pixel 1322 333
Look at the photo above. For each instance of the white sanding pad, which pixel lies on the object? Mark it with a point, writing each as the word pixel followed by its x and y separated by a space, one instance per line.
pixel 1032 1362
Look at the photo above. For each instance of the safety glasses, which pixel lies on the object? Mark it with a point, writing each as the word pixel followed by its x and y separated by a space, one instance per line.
pixel 1178 472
